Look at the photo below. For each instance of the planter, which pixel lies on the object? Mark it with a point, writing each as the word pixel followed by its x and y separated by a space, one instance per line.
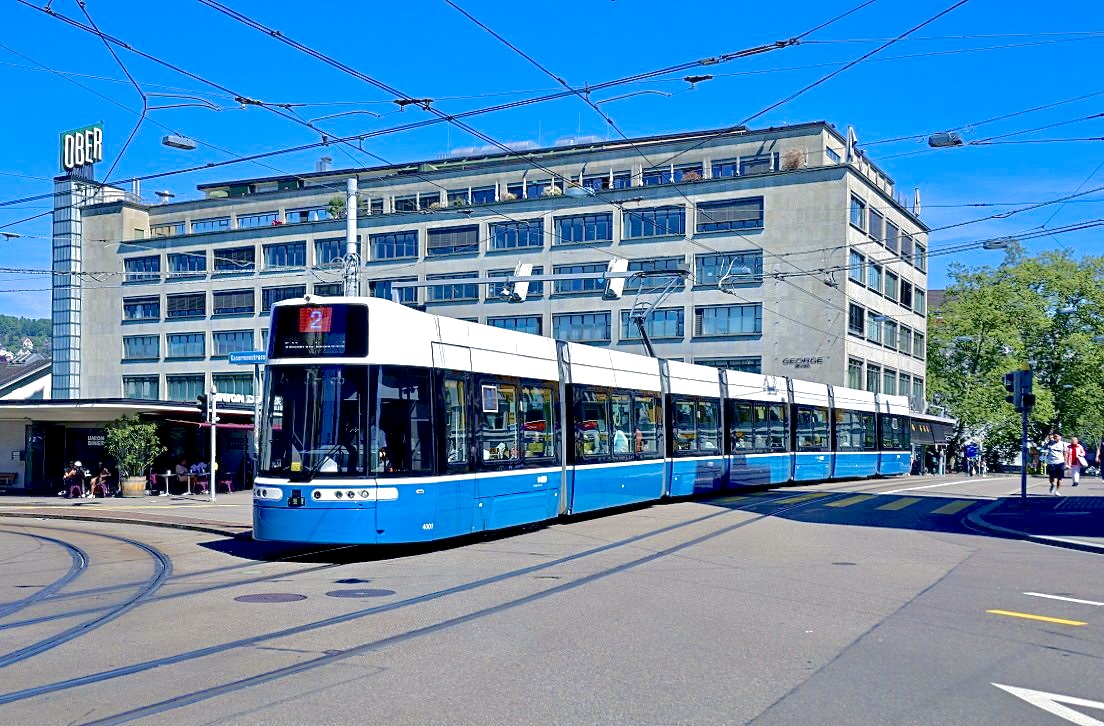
pixel 133 486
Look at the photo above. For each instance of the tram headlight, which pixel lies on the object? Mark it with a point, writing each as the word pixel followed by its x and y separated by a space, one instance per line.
pixel 337 495
pixel 351 495
pixel 364 493
pixel 317 494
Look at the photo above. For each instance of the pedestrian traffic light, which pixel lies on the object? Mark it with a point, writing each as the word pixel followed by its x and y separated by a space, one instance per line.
pixel 1027 397
pixel 1012 385
pixel 201 404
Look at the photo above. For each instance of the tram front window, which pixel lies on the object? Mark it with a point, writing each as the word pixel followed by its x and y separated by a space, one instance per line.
pixel 327 421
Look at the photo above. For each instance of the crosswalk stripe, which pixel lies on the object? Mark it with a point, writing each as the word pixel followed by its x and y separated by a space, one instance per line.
pixel 802 498
pixel 849 501
pixel 729 500
pixel 953 507
pixel 899 504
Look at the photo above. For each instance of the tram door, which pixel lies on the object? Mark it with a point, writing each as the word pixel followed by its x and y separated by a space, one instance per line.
pixel 455 490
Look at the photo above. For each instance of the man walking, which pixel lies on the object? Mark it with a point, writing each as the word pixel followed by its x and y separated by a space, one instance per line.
pixel 1054 454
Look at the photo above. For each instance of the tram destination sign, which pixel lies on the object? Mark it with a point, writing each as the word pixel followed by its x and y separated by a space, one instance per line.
pixel 80 148
pixel 248 357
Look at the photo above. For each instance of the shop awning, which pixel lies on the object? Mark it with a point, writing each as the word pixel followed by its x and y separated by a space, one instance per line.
pixel 942 432
pixel 922 432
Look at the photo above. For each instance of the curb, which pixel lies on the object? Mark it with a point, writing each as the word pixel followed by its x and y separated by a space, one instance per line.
pixel 977 518
pixel 197 527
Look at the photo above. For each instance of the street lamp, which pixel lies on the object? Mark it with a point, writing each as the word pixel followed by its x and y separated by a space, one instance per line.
pixel 179 142
pixel 945 140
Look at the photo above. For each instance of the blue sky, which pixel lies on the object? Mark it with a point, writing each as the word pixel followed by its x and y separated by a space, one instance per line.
pixel 983 60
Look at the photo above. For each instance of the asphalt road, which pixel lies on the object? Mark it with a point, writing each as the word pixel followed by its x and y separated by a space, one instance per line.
pixel 835 604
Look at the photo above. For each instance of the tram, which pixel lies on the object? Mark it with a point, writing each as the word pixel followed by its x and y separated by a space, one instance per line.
pixel 386 425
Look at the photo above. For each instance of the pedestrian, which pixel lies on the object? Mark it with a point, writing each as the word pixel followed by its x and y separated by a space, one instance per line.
pixel 1075 459
pixel 1053 453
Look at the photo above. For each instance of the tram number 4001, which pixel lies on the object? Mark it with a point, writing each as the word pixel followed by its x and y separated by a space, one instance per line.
pixel 427 526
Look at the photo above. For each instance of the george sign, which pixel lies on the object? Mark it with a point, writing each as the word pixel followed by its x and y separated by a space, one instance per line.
pixel 81 147
pixel 248 357
pixel 804 362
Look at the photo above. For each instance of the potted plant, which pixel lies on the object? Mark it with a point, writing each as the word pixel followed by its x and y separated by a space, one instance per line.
pixel 336 208
pixel 134 445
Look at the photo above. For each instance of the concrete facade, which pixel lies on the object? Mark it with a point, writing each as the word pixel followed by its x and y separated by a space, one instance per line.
pixel 791 206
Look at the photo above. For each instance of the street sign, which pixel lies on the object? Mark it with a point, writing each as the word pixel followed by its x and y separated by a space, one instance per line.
pixel 248 357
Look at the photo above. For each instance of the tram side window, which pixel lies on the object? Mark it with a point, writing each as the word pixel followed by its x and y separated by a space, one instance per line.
pixel 592 439
pixel 709 427
pixel 683 430
pixel 499 424
pixel 402 426
pixel 811 429
pixel 456 421
pixel 741 427
pixel 538 426
pixel 895 433
pixel 695 426
pixel 621 416
pixel 849 430
pixel 646 441
pixel 756 428
pixel 779 433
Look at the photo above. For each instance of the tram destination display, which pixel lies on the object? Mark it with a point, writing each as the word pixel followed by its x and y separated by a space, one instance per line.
pixel 319 331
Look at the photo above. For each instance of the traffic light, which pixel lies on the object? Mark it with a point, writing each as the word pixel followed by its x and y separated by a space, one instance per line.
pixel 1012 385
pixel 1027 397
pixel 201 404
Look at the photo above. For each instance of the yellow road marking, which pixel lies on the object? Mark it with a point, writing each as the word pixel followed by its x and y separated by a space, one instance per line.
pixel 1028 616
pixel 801 498
pixel 900 504
pixel 849 501
pixel 953 507
pixel 729 500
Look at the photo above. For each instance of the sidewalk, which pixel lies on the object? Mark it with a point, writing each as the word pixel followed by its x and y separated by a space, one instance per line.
pixel 1074 520
pixel 230 516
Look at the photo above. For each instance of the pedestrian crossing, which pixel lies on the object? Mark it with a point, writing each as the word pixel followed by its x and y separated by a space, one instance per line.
pixel 922 506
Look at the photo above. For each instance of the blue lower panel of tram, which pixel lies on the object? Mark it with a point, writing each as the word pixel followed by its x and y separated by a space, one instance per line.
pixel 601 486
pixel 319 524
pixel 893 463
pixel 757 470
pixel 696 475
pixel 854 464
pixel 812 466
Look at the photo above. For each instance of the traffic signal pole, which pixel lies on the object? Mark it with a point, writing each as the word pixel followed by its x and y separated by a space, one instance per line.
pixel 1023 455
pixel 211 473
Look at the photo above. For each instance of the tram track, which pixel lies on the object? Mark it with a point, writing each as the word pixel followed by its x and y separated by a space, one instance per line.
pixel 96 679
pixel 79 566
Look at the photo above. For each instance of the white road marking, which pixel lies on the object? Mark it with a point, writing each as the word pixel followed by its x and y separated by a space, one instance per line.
pixel 944 484
pixel 1065 599
pixel 1051 703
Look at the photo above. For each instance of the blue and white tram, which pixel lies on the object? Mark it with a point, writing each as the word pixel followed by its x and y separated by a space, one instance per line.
pixel 387 425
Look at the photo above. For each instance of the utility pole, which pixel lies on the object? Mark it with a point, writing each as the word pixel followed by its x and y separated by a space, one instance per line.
pixel 213 420
pixel 1019 384
pixel 352 258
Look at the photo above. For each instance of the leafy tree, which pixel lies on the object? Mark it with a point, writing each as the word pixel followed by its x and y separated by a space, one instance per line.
pixel 133 444
pixel 1044 312
pixel 13 330
pixel 336 208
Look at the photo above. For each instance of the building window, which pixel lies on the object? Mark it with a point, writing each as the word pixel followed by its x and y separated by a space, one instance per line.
pixel 582 327
pixel 858 213
pixel 745 266
pixel 832 154
pixel 572 287
pixel 891 283
pixel 226 342
pixel 141 347
pixel 210 225
pixel 171 229
pixel 856 320
pixel 906 247
pixel 874 277
pixel 407 203
pixel 873 378
pixel 143 269
pixel 265 219
pixel 757 164
pixel 919 301
pixel 454 292
pixel 918 345
pixel 272 295
pixel 232 302
pixel 662 323
pixel 658 282
pixel 523 324
pixel 516 235
pixel 285 255
pixel 889 334
pixel 873 329
pixel 446 241
pixel 185 345
pixel 375 205
pixel 184 388
pixel 856 268
pixel 904 385
pixel 331 251
pixel 495 289
pixel 906 294
pixel 612 180
pixel 584 228
pixel 471 195
pixel 747 364
pixel 877 224
pixel 187 264
pixel 654 222
pixel 142 308
pixel 314 214
pixel 329 289
pixel 144 388
pixel 394 245
pixel 730 215
pixel 920 258
pixel 235 384
pixel 672 174
pixel 904 340
pixel 855 373
pixel 918 393
pixel 728 320
pixel 889 382
pixel 892 237
pixel 235 260
pixel 429 200
pixel 188 305
pixel 382 289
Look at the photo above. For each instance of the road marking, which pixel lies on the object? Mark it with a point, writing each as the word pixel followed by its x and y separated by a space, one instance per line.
pixel 1051 703
pixel 900 504
pixel 801 498
pixel 729 500
pixel 1028 616
pixel 954 507
pixel 946 484
pixel 850 500
pixel 1065 599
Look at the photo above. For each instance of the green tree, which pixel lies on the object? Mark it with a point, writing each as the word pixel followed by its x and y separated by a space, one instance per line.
pixel 1046 312
pixel 133 444
pixel 336 208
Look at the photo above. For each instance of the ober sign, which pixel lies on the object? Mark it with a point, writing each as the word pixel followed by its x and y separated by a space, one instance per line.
pixel 803 362
pixel 81 147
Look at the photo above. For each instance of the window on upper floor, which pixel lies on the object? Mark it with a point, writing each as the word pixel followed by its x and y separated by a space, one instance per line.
pixel 331 252
pixel 918 349
pixel 329 289
pixel 471 195
pixel 856 268
pixel 874 329
pixel 904 340
pixel 454 292
pixel 858 213
pixel 891 283
pixel 187 264
pixel 226 342
pixel 832 154
pixel 611 180
pixel 141 347
pixel 311 214
pixel 170 229
pixel 230 260
pixel 184 388
pixel 906 247
pixel 581 228
pixel 143 269
pixel 758 164
pixel 653 222
pixel 672 174
pixel 445 241
pixel 874 276
pixel 531 324
pixel 185 345
pixel 892 237
pixel 406 203
pixel 856 319
pixel 854 373
pixel 746 363
pixel 382 289
pixel 232 302
pixel 272 295
pixel 889 382
pixel 657 282
pixel 394 245
pixel 187 305
pixel 889 334
pixel 495 289
pixel 919 301
pixel 660 323
pixel 920 257
pixel 873 378
pixel 142 308
pixel 217 224
pixel 240 384
pixel 517 235
pixel 143 388
pixel 283 255
pixel 582 327
pixel 906 294
pixel 533 189
pixel 744 267
pixel 264 219
pixel 717 320
pixel 572 287
pixel 730 214
pixel 877 225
